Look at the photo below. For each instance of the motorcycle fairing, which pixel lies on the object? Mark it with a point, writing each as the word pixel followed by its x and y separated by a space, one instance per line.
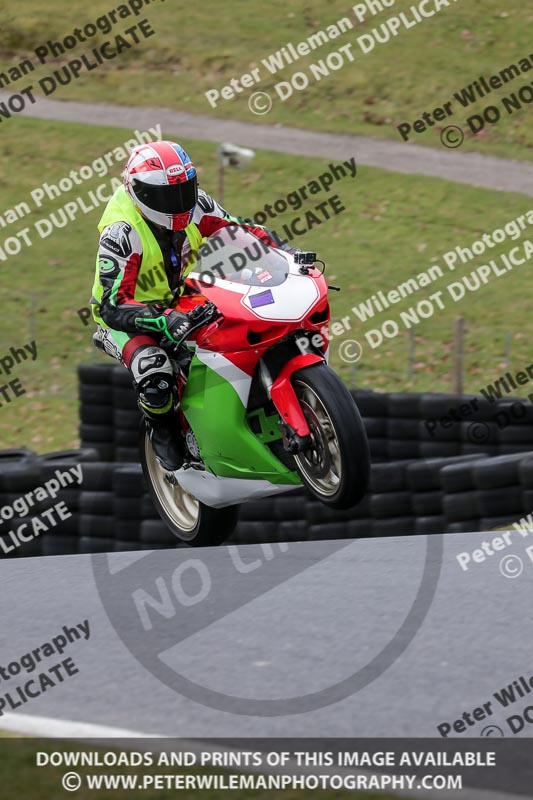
pixel 228 446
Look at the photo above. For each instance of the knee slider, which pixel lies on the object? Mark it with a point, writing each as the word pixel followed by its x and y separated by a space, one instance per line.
pixel 147 361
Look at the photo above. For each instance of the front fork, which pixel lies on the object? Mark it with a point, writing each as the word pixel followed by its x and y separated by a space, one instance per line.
pixel 294 425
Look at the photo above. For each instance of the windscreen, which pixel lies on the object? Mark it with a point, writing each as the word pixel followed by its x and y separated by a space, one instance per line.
pixel 235 254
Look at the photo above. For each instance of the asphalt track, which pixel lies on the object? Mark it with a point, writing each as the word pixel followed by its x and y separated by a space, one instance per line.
pixel 267 625
pixel 438 162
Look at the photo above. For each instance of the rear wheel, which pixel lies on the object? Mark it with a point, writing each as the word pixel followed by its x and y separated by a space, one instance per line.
pixel 335 465
pixel 186 517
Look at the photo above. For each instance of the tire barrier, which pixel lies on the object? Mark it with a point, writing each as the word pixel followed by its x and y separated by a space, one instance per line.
pixel 399 426
pixel 35 493
pixel 110 509
pixel 433 471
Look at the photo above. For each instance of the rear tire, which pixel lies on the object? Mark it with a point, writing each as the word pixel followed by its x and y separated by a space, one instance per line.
pixel 187 518
pixel 336 466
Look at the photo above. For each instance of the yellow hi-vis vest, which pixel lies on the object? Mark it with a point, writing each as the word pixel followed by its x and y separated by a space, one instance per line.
pixel 152 283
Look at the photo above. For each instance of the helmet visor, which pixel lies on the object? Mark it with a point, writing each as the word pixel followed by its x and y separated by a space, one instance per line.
pixel 175 199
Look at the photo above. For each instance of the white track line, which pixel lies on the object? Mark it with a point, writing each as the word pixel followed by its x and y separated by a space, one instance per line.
pixel 51 728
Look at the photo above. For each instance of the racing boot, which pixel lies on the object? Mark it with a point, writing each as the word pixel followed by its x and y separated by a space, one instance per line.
pixel 165 441
pixel 155 397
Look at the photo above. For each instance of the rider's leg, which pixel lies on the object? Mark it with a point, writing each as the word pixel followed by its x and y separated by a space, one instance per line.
pixel 154 383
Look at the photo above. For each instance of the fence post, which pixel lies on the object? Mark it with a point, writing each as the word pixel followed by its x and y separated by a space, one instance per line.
pixel 458 355
pixel 411 352
pixel 508 340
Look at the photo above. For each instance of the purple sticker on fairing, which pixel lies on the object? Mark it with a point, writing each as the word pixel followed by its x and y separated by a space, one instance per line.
pixel 261 299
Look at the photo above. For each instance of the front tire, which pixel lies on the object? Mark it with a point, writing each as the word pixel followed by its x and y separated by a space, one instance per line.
pixel 335 466
pixel 191 521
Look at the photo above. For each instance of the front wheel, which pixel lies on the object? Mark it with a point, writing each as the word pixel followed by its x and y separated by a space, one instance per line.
pixel 335 465
pixel 186 517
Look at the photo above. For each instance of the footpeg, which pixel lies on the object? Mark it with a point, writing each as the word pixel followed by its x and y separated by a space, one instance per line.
pixel 171 479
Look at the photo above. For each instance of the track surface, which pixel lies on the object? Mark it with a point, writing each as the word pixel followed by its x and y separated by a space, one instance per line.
pixel 315 614
pixel 451 165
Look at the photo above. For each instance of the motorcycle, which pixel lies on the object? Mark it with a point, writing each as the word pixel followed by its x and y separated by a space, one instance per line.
pixel 260 412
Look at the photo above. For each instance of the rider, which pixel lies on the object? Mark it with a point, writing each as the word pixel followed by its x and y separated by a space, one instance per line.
pixel 141 263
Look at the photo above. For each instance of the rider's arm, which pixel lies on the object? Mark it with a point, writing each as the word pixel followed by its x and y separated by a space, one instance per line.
pixel 120 259
pixel 211 217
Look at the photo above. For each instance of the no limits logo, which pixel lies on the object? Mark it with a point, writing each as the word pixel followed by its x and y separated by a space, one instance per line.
pixel 246 630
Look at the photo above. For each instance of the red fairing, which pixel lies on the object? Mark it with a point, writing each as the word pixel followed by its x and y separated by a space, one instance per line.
pixel 243 336
pixel 284 397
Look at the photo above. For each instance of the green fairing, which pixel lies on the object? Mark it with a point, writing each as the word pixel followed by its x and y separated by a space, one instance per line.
pixel 270 430
pixel 228 447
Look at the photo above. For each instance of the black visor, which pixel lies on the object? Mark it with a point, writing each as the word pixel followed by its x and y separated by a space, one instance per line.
pixel 175 199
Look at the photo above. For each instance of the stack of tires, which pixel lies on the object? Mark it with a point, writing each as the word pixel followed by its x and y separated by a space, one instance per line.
pixel 23 474
pixel 440 434
pixel 109 414
pixel 399 426
pixel 514 420
pixel 374 411
pixel 64 538
pixel 500 496
pixel 96 409
pixel 403 426
pixel 97 523
pixel 116 512
pixel 330 523
pixel 460 500
pixel 467 424
pixel 425 483
pixel 525 476
pixel 126 417
pixel 273 519
pixel 19 474
pixel 390 501
pixel 484 493
pixel 137 524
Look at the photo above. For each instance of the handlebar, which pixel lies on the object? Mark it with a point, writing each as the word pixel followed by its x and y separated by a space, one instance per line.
pixel 200 316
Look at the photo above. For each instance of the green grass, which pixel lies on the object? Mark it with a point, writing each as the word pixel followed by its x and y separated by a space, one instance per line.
pixel 21 778
pixel 394 226
pixel 205 45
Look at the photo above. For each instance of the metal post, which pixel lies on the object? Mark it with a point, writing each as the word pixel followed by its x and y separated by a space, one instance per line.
pixel 458 355
pixel 508 340
pixel 31 318
pixel 411 352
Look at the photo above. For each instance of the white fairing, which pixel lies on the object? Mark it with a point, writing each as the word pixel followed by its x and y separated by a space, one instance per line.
pixel 270 284
pixel 293 299
pixel 220 492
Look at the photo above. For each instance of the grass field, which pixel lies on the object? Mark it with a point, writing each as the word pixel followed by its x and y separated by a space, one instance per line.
pixel 205 46
pixel 21 778
pixel 394 227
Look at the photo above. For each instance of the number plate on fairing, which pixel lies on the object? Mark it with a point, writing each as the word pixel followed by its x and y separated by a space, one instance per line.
pixel 292 300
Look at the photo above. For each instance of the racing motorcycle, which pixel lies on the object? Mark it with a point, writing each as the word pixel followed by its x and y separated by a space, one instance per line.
pixel 259 410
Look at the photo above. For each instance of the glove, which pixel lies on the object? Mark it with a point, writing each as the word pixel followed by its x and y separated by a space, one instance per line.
pixel 178 326
pixel 173 325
